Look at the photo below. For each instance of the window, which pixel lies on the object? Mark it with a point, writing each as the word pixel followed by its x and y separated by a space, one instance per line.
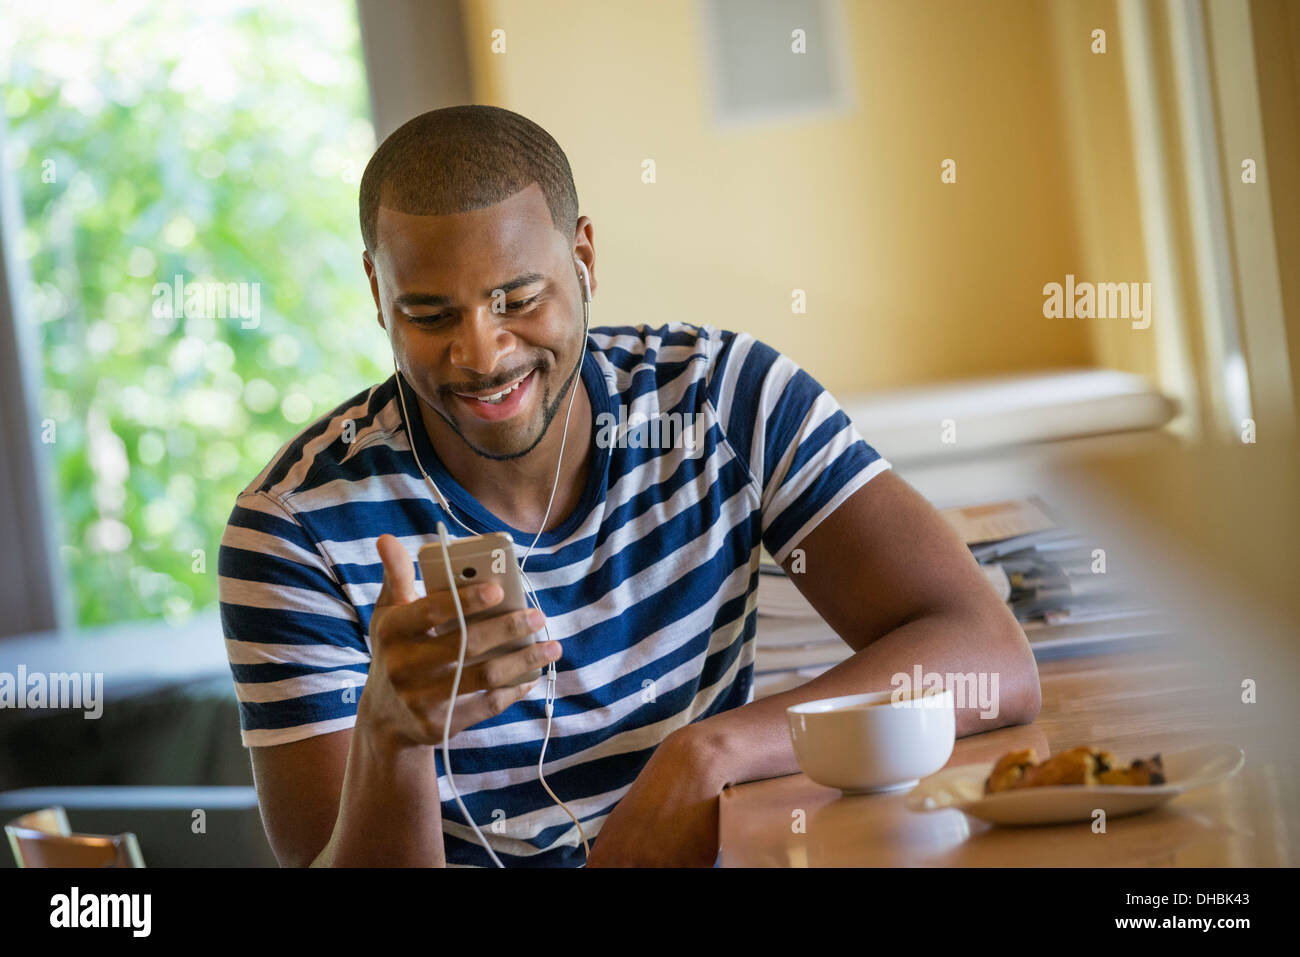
pixel 188 268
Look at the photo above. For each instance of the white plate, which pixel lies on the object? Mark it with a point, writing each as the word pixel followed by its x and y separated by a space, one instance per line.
pixel 963 788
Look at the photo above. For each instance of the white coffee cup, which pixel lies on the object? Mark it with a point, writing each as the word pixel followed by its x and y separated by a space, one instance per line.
pixel 872 742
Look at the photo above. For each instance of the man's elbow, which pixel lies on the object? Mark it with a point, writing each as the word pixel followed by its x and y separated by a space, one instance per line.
pixel 1020 679
pixel 1029 703
pixel 1002 690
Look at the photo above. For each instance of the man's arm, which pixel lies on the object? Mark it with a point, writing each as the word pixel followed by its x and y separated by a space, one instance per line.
pixel 895 582
pixel 298 788
pixel 886 571
pixel 369 796
pixel 389 814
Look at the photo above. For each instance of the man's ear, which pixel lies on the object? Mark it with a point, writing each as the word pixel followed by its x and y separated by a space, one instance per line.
pixel 584 248
pixel 373 276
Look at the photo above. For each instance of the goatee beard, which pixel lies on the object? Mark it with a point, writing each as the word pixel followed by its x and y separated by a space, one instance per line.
pixel 549 412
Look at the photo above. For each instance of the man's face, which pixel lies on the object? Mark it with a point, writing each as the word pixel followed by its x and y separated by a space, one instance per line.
pixel 479 303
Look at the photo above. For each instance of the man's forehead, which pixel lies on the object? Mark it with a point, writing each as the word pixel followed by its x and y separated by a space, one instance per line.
pixel 512 234
pixel 435 268
pixel 523 212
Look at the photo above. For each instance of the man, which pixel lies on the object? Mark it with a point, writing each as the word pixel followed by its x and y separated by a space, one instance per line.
pixel 646 568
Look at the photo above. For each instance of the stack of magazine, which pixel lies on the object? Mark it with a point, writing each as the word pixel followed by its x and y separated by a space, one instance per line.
pixel 1055 581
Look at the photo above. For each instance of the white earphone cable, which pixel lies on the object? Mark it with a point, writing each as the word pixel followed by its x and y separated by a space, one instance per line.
pixel 455 687
pixel 451 584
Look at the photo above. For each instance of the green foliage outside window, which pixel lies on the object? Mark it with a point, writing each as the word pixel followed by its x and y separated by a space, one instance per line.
pixel 221 143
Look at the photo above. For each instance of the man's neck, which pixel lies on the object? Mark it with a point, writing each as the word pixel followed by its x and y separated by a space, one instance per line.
pixel 517 490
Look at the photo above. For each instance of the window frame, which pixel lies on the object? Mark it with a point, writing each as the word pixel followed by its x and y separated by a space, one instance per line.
pixel 31 589
pixel 403 79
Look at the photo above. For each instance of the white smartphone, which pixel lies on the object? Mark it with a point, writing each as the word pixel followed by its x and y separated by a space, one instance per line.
pixel 475 561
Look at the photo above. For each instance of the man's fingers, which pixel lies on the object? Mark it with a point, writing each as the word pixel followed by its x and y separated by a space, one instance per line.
pixel 492 675
pixel 423 615
pixel 399 573
pixel 504 629
pixel 474 708
pixel 501 698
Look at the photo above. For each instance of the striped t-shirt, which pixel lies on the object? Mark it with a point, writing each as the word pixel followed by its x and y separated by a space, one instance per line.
pixel 650 585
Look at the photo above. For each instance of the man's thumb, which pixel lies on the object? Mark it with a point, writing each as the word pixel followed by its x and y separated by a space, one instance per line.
pixel 399 573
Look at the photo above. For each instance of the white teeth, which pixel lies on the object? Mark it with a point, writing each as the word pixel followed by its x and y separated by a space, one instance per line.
pixel 498 397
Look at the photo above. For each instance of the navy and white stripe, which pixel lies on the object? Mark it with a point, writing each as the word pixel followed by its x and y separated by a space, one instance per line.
pixel 650 585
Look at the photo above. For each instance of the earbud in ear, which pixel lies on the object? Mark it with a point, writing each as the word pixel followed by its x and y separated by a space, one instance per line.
pixel 585 278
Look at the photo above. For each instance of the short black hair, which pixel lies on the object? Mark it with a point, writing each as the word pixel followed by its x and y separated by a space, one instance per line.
pixel 461 158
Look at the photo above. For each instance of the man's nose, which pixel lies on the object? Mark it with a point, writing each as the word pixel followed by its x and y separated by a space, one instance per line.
pixel 481 343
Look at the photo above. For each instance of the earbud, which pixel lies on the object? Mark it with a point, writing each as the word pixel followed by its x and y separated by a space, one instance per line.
pixel 585 278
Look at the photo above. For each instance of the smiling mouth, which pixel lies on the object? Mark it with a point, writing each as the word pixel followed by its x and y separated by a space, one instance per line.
pixel 496 398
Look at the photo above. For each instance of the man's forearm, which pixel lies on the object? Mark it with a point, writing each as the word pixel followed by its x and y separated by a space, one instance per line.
pixel 753 741
pixel 389 811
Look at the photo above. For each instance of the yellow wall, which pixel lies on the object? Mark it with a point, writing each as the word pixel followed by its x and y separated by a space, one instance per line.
pixel 1103 179
pixel 908 280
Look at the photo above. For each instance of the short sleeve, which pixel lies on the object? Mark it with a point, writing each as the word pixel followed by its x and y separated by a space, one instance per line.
pixel 802 450
pixel 297 650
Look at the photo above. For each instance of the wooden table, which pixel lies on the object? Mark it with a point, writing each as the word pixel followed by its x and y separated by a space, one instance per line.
pixel 1132 703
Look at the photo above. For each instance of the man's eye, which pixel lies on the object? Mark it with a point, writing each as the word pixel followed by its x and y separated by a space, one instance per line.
pixel 429 320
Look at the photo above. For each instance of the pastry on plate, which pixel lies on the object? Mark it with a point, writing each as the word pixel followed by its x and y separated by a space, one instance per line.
pixel 1141 772
pixel 1009 769
pixel 1084 766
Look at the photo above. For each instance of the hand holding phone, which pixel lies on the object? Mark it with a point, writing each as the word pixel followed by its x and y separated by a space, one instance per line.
pixel 414 644
pixel 481 560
